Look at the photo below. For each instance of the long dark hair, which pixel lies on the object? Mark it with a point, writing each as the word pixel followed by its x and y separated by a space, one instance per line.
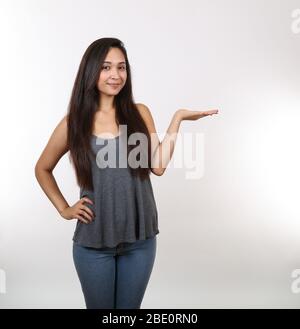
pixel 84 103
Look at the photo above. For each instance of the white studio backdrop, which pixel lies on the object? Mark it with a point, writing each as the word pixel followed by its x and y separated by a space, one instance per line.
pixel 230 238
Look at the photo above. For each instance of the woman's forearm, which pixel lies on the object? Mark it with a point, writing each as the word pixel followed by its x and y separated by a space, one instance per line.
pixel 165 149
pixel 50 187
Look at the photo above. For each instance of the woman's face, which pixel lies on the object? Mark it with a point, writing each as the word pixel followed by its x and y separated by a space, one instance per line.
pixel 113 73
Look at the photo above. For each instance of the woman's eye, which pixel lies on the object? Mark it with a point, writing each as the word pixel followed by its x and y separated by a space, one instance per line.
pixel 104 67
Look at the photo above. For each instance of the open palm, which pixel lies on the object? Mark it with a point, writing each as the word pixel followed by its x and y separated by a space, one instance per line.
pixel 195 115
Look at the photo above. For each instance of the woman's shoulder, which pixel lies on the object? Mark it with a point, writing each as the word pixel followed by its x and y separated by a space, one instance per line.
pixel 143 109
pixel 141 106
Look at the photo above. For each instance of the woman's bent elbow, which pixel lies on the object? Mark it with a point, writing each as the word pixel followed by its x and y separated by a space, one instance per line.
pixel 157 171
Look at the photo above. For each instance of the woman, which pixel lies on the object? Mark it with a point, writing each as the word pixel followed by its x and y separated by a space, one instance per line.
pixel 114 243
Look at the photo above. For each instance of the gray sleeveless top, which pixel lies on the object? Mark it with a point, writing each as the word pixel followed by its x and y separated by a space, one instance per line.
pixel 124 205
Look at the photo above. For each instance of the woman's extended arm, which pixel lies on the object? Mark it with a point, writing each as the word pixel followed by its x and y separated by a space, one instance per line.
pixel 162 151
pixel 54 150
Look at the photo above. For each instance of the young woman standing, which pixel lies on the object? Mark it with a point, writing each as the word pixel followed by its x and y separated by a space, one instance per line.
pixel 114 243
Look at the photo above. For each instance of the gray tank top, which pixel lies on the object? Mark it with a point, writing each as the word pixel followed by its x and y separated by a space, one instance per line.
pixel 124 205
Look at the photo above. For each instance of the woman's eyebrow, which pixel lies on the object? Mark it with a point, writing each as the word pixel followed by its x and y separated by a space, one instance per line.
pixel 110 62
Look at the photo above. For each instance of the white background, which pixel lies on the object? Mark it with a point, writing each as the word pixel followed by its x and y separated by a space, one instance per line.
pixel 228 239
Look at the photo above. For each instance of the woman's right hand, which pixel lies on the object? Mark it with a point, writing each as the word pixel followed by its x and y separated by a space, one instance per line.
pixel 79 211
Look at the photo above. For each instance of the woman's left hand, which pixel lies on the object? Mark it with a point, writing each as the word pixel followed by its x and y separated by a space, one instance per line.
pixel 194 115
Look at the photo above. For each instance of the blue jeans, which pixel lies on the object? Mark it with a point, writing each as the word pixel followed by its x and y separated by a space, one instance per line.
pixel 114 278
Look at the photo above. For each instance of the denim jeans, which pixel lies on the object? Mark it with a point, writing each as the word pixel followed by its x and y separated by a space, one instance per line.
pixel 115 278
